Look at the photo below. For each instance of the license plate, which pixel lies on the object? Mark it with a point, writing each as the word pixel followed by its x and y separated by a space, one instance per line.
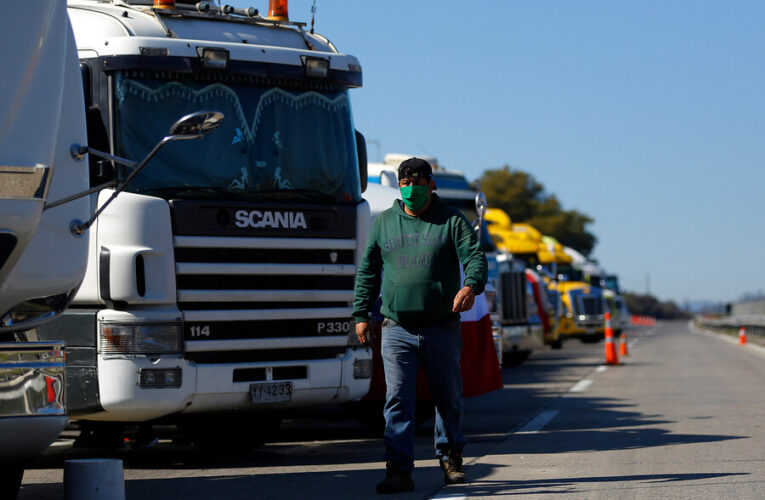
pixel 589 331
pixel 271 392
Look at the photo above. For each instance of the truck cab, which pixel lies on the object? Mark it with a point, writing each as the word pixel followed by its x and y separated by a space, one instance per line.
pixel 220 282
pixel 584 305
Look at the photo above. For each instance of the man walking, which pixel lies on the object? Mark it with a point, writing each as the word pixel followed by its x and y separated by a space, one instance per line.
pixel 419 242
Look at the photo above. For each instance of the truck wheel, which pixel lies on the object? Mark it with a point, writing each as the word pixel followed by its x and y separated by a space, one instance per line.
pixel 230 434
pixel 514 358
pixel 556 344
pixel 368 413
pixel 10 481
pixel 100 435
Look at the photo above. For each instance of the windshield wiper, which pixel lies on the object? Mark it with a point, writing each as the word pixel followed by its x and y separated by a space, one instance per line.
pixel 184 191
pixel 305 194
pixel 213 192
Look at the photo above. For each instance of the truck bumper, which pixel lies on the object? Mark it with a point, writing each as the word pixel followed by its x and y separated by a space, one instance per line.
pixel 32 411
pixel 210 388
pixel 590 329
pixel 521 338
pixel 584 329
pixel 22 438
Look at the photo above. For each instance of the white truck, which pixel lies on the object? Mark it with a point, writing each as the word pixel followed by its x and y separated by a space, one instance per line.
pixel 44 216
pixel 219 285
pixel 40 117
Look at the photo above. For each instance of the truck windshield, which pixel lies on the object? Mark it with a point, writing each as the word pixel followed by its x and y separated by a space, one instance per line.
pixel 612 283
pixel 570 273
pixel 447 181
pixel 273 144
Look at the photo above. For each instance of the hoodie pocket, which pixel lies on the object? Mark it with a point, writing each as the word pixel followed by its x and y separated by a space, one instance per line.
pixel 416 300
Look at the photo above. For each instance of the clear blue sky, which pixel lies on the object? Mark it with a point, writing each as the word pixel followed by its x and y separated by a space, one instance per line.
pixel 649 116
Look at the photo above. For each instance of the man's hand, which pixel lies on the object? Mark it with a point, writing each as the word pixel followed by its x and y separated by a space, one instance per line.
pixel 462 302
pixel 362 332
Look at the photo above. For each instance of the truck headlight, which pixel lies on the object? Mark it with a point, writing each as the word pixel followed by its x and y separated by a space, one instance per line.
pixel 140 338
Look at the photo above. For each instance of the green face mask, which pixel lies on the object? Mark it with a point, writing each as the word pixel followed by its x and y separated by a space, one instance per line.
pixel 415 197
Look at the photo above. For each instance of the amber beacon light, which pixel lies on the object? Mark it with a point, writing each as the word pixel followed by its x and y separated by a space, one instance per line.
pixel 164 4
pixel 278 11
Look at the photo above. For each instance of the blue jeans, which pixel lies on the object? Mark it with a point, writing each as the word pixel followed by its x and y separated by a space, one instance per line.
pixel 437 348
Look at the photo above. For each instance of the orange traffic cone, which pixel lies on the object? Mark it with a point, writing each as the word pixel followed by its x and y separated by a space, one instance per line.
pixel 623 345
pixel 611 357
pixel 742 335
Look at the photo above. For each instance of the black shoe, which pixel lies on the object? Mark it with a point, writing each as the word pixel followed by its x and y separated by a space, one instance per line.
pixel 454 473
pixel 396 480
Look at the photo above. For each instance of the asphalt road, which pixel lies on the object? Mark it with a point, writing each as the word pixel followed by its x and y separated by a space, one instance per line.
pixel 683 416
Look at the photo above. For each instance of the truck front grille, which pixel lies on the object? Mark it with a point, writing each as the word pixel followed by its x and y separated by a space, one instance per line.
pixel 243 274
pixel 513 289
pixel 265 355
pixel 287 291
pixel 590 306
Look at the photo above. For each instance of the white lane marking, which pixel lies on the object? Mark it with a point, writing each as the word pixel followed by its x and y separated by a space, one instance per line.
pixel 538 423
pixel 60 444
pixel 581 386
pixel 450 497
pixel 601 369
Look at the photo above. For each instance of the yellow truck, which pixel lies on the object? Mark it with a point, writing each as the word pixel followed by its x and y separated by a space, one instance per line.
pixel 582 306
pixel 521 326
pixel 524 242
pixel 583 311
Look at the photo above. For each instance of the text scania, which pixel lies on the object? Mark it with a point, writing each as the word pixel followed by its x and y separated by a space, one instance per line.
pixel 267 218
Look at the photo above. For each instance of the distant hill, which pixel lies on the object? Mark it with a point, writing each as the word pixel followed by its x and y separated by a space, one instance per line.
pixel 705 307
pixel 648 305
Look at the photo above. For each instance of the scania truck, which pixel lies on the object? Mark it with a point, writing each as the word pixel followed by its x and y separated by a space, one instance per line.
pixel 219 284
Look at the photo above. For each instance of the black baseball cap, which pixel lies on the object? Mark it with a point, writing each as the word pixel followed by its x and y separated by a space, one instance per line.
pixel 415 168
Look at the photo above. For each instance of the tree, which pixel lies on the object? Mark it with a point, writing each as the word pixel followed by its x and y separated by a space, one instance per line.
pixel 648 305
pixel 525 200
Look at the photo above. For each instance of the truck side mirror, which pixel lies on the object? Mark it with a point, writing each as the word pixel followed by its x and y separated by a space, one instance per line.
pixel 361 149
pixel 197 124
pixel 480 208
pixel 192 126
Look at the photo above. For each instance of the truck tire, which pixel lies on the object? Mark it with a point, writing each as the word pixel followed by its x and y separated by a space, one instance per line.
pixel 10 481
pixel 238 433
pixel 556 344
pixel 514 358
pixel 100 435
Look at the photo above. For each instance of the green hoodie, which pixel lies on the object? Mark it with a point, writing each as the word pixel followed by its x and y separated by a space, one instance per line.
pixel 420 256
